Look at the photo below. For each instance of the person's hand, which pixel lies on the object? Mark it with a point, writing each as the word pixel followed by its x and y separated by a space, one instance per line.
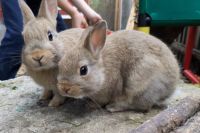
pixel 93 18
pixel 79 21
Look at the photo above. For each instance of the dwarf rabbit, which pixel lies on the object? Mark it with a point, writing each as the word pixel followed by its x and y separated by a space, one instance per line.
pixel 128 70
pixel 44 47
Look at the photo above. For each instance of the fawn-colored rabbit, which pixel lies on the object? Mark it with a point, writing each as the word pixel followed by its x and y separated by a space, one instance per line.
pixel 128 70
pixel 44 47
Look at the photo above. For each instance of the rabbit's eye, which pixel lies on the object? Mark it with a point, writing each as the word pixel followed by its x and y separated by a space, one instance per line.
pixel 50 36
pixel 83 70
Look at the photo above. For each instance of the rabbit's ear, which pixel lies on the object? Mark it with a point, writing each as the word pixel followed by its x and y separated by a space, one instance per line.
pixel 48 9
pixel 96 38
pixel 26 12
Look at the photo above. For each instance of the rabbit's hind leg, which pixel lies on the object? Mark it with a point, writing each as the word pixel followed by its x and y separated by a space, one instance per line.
pixel 154 94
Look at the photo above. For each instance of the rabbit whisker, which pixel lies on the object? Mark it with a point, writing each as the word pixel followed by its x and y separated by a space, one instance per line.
pixel 17 63
pixel 13 52
pixel 12 61
pixel 12 57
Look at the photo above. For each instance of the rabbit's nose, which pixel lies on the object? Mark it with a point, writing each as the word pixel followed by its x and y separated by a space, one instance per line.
pixel 63 88
pixel 38 58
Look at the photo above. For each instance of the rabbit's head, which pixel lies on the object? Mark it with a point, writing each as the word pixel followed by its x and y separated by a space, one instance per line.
pixel 81 71
pixel 42 48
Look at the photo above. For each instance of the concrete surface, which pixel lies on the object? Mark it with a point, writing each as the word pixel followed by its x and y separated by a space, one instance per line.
pixel 20 113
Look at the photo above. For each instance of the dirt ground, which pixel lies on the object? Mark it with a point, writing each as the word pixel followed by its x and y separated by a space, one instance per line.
pixel 20 113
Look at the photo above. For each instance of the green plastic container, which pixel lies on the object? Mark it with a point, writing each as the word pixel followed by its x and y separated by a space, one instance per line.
pixel 171 12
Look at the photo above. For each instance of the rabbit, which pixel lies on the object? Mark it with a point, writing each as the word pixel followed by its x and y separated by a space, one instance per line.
pixel 44 47
pixel 127 70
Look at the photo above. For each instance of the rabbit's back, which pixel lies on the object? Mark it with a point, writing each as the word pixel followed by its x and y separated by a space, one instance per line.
pixel 147 67
pixel 131 46
pixel 140 55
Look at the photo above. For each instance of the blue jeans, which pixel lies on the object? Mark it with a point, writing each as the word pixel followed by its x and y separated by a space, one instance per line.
pixel 12 43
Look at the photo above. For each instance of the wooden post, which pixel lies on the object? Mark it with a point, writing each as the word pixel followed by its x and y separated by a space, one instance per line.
pixel 131 19
pixel 118 14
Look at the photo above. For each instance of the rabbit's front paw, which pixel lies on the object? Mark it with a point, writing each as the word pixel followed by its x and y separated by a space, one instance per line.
pixel 115 108
pixel 56 101
pixel 42 102
pixel 160 106
pixel 47 94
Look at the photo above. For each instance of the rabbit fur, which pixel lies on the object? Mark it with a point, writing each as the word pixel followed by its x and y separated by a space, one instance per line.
pixel 125 70
pixel 44 47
